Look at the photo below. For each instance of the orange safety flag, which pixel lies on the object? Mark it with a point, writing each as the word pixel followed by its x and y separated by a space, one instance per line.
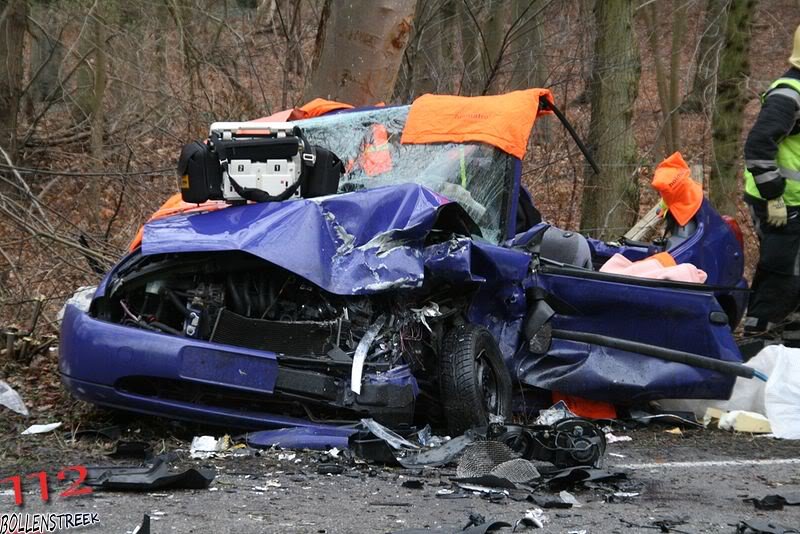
pixel 174 206
pixel 376 157
pixel 320 106
pixel 590 409
pixel 682 195
pixel 504 121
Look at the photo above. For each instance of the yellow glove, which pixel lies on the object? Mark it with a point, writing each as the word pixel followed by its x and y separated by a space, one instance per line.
pixel 776 212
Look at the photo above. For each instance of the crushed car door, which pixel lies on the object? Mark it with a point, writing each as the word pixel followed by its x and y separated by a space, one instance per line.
pixel 584 317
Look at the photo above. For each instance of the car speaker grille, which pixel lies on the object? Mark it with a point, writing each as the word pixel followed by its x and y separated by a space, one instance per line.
pixel 294 338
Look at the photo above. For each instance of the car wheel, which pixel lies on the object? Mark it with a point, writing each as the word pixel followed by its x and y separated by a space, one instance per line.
pixel 473 378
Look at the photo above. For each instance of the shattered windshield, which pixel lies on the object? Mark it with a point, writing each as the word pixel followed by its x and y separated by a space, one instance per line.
pixel 475 175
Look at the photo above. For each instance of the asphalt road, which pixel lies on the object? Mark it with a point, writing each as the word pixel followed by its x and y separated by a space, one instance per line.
pixel 701 478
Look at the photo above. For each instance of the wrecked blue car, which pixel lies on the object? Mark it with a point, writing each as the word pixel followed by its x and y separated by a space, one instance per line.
pixel 425 287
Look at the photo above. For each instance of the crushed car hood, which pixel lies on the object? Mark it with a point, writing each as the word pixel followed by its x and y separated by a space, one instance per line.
pixel 355 243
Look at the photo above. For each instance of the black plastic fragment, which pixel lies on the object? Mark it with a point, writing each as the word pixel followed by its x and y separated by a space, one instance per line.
pixel 775 502
pixel 139 450
pixel 573 476
pixel 475 519
pixel 330 469
pixel 477 524
pixel 413 484
pixel 111 433
pixel 144 528
pixel 156 476
pixel 760 526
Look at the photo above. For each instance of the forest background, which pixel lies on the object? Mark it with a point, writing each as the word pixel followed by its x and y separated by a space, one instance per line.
pixel 97 97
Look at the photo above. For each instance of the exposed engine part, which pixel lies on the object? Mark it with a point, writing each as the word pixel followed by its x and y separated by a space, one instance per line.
pixel 297 338
pixel 235 299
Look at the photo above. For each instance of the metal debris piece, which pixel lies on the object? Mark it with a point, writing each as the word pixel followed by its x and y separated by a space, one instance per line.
pixel 554 414
pixel 534 518
pixel 361 353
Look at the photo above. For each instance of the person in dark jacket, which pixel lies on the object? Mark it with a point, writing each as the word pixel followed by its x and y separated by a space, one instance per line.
pixel 772 191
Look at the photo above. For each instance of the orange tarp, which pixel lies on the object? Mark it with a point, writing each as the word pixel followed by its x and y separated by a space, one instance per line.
pixel 682 195
pixel 315 108
pixel 282 116
pixel 174 206
pixel 320 106
pixel 504 121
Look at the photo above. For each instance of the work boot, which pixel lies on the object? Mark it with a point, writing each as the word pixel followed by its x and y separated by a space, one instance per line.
pixel 790 335
pixel 758 333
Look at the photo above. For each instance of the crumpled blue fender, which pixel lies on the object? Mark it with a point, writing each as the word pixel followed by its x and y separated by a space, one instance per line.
pixel 363 242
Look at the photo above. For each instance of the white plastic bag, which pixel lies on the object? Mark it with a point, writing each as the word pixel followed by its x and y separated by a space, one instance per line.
pixel 11 399
pixel 782 394
pixel 747 394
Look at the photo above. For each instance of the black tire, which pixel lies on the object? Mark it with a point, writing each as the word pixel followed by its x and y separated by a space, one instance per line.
pixel 473 379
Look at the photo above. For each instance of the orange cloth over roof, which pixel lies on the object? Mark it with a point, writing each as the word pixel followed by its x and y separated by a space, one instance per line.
pixel 320 106
pixel 682 195
pixel 504 121
pixel 283 116
pixel 174 206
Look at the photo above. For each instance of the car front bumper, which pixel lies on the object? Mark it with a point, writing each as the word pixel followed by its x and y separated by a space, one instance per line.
pixel 159 374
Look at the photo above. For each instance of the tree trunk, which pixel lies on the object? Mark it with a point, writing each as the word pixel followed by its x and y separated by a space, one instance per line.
pixel 493 29
pixel 447 45
pixel 611 199
pixel 361 51
pixel 428 63
pixel 726 122
pixel 160 34
pixel 678 34
pixel 469 15
pixel 707 58
pixel 99 84
pixel 47 54
pixel 528 54
pixel 411 65
pixel 653 31
pixel 94 100
pixel 428 57
pixel 13 21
